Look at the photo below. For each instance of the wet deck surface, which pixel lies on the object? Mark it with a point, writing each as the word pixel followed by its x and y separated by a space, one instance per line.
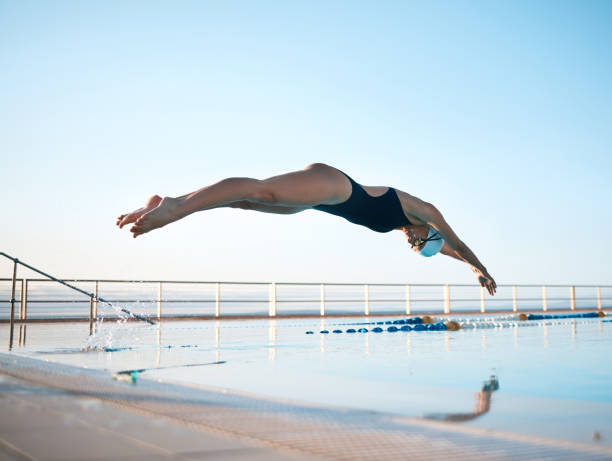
pixel 52 411
pixel 41 423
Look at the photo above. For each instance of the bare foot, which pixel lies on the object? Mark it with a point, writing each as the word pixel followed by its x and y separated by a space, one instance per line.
pixel 152 203
pixel 158 217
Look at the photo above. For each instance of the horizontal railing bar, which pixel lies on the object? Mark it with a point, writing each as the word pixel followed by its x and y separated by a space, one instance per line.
pixel 345 300
pixel 223 301
pixel 207 282
pixel 454 300
pixel 142 281
pixel 77 301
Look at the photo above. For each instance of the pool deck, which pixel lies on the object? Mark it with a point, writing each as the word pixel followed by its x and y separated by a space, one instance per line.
pixel 59 412
pixel 41 423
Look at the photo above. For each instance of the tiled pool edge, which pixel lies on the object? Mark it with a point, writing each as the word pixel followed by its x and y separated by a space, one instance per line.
pixel 318 431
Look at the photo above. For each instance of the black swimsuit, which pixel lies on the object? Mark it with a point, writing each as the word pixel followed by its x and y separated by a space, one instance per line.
pixel 381 214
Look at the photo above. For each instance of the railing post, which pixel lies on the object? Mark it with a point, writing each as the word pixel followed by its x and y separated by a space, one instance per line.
pixel 95 312
pixel 159 300
pixel 599 298
pixel 218 300
pixel 322 299
pixel 13 303
pixel 91 314
pixel 544 301
pixel 482 299
pixel 408 299
pixel 514 303
pixel 21 325
pixel 21 300
pixel 25 300
pixel 272 297
pixel 367 299
pixel 573 298
pixel 447 299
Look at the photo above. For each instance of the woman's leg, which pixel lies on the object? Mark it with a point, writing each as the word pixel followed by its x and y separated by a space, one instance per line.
pixel 318 183
pixel 264 208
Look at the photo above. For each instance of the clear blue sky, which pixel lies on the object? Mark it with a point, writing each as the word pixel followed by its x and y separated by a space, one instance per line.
pixel 497 112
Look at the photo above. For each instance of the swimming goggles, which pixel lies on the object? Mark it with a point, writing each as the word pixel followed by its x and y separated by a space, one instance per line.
pixel 419 241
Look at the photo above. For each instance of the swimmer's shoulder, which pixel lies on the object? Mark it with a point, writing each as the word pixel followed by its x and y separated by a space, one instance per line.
pixel 414 208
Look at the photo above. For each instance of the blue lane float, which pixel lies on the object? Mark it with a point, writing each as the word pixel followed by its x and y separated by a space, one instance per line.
pixel 427 323
pixel 582 315
pixel 408 321
pixel 417 326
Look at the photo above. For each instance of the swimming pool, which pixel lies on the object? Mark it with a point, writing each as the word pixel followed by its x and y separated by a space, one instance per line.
pixel 553 374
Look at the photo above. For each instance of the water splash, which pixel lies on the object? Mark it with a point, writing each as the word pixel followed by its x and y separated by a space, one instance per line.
pixel 112 331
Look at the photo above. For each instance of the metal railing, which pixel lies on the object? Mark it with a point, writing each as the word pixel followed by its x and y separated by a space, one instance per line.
pixel 359 305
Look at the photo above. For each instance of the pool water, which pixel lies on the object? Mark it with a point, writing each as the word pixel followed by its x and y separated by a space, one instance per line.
pixel 554 376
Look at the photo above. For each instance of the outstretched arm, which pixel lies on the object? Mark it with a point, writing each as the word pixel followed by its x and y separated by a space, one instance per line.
pixel 484 278
pixel 455 248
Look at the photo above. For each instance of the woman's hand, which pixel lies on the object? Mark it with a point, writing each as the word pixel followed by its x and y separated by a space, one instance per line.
pixel 453 246
pixel 485 280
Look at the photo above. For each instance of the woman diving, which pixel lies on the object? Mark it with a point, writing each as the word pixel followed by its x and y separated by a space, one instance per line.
pixel 324 188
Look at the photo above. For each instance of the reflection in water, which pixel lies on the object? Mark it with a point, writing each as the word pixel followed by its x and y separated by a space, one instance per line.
pixel 159 330
pixel 217 340
pixel 133 374
pixel 272 341
pixel 22 334
pixel 482 404
pixel 21 340
pixel 10 344
pixel 433 374
pixel 322 345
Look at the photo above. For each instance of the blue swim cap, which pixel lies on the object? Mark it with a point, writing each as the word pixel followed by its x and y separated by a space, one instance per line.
pixel 434 243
